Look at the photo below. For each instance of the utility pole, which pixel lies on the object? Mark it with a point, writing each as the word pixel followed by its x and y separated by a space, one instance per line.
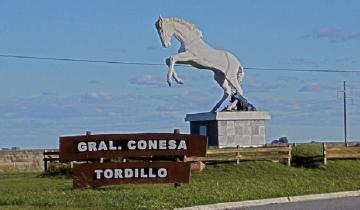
pixel 345 124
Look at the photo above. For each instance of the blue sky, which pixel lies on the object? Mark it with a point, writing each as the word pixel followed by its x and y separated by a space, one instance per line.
pixel 41 100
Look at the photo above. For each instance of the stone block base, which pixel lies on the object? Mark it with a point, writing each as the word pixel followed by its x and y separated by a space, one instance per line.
pixel 230 129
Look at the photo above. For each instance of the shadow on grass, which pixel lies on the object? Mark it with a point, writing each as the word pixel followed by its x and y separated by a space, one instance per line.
pixel 307 161
pixel 307 156
pixel 59 172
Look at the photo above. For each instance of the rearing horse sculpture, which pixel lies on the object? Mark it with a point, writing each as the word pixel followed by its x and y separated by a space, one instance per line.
pixel 228 71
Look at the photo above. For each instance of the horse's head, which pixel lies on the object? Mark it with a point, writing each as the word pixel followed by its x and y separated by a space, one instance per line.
pixel 165 31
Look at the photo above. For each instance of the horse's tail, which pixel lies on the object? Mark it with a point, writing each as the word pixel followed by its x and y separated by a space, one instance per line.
pixel 240 74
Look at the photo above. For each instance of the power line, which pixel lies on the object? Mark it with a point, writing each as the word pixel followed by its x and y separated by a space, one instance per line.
pixel 305 70
pixel 79 60
pixel 161 64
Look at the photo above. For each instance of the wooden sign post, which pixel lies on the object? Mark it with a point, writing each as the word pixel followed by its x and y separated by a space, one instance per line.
pixel 96 147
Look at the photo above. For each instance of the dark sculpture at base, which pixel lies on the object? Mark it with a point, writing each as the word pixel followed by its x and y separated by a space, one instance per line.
pixel 241 105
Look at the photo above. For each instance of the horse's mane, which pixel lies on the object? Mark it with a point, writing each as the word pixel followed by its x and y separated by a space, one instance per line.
pixel 190 26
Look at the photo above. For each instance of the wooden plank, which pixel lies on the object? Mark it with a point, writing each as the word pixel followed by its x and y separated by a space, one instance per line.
pixel 265 149
pixel 257 157
pixel 265 157
pixel 99 174
pixel 289 155
pixel 325 153
pixel 192 159
pixel 22 163
pixel 248 150
pixel 328 156
pixel 221 151
pixel 238 155
pixel 343 148
pixel 87 147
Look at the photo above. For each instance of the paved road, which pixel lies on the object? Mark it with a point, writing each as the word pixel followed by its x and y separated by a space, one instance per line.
pixel 348 203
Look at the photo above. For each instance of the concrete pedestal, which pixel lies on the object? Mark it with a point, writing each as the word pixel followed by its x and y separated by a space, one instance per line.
pixel 229 129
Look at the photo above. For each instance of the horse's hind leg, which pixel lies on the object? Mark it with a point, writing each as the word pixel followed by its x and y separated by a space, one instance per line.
pixel 218 104
pixel 239 99
pixel 232 79
pixel 234 82
pixel 220 79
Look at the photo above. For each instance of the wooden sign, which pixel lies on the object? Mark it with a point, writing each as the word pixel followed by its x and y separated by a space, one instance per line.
pixel 87 147
pixel 98 174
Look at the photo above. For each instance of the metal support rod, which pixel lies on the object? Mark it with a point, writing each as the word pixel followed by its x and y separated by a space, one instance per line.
pixel 345 125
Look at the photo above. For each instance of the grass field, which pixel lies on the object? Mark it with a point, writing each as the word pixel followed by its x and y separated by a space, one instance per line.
pixel 217 183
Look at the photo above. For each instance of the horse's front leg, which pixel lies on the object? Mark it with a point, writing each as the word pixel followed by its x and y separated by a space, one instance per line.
pixel 180 57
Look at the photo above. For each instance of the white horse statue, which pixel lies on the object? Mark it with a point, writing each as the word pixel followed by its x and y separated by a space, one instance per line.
pixel 228 71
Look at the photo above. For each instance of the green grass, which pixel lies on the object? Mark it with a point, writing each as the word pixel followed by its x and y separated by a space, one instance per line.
pixel 217 183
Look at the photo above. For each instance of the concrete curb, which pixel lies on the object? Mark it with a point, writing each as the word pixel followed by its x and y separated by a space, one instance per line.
pixel 263 202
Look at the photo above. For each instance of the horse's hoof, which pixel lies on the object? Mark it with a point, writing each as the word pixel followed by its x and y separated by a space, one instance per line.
pixel 169 83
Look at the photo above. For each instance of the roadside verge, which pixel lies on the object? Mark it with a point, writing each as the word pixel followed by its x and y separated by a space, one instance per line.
pixel 263 202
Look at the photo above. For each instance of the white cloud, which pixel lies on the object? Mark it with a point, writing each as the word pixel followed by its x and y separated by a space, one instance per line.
pixel 148 79
pixel 311 87
pixel 335 34
pixel 94 82
pixel 98 95
pixel 315 87
pixel 259 85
